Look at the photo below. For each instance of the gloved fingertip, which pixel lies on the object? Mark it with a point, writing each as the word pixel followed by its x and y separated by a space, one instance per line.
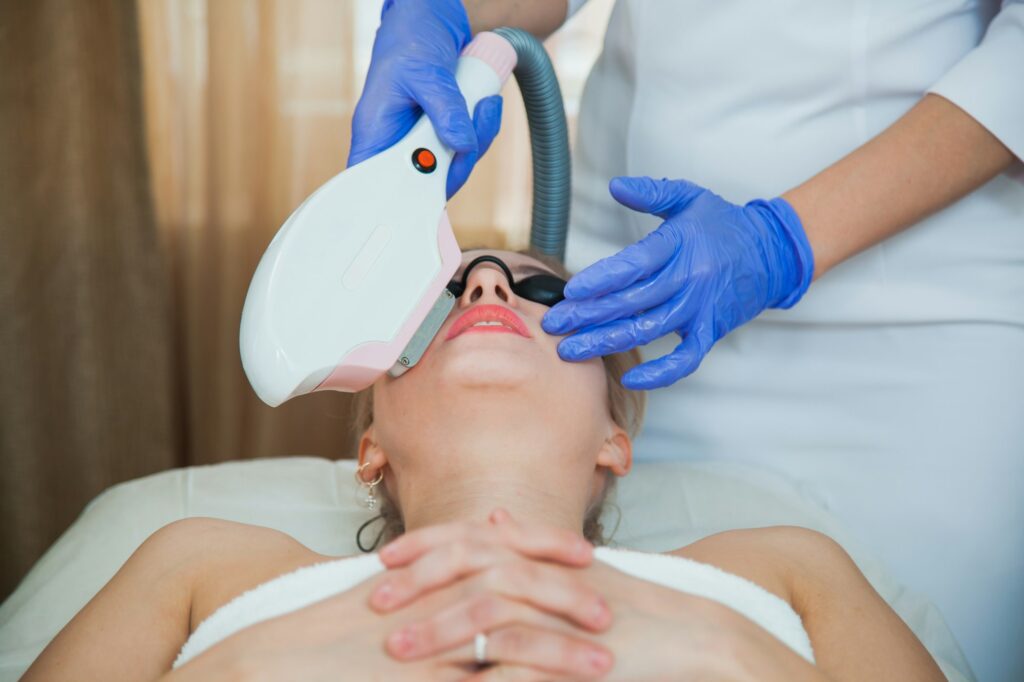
pixel 355 157
pixel 627 183
pixel 632 191
pixel 458 172
pixel 662 197
pixel 571 350
pixel 600 278
pixel 459 134
pixel 361 152
pixel 487 121
pixel 552 324
pixel 454 184
pixel 577 288
pixel 662 372
pixel 489 107
pixel 640 378
pixel 635 380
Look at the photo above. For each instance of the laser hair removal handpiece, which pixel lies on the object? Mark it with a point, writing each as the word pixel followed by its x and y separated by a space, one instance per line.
pixel 353 284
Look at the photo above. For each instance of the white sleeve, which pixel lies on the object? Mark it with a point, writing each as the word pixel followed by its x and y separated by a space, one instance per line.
pixel 574 6
pixel 988 83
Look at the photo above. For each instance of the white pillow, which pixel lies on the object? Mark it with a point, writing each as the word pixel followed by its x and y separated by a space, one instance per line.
pixel 664 505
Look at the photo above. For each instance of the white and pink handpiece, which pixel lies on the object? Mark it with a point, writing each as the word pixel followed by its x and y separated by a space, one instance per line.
pixel 353 284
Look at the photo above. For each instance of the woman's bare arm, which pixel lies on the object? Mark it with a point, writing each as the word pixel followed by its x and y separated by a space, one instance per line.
pixel 854 632
pixel 856 635
pixel 133 628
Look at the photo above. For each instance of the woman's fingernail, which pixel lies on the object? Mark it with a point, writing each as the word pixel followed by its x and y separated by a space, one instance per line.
pixel 384 595
pixel 599 660
pixel 403 642
pixel 599 612
pixel 387 552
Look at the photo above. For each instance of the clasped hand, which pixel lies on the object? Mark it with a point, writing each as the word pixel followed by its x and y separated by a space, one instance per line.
pixel 549 612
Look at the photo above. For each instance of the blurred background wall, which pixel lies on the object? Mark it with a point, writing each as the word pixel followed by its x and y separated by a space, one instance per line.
pixel 149 150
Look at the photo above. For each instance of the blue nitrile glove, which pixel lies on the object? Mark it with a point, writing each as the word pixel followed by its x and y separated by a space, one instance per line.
pixel 412 70
pixel 710 267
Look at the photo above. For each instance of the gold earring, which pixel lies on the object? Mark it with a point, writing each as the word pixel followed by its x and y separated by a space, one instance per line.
pixel 370 501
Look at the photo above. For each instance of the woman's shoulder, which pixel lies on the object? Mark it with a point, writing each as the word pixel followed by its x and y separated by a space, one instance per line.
pixel 201 541
pixel 198 531
pixel 169 583
pixel 785 560
pixel 226 558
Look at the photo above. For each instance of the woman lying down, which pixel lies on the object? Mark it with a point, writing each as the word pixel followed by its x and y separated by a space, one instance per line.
pixel 491 459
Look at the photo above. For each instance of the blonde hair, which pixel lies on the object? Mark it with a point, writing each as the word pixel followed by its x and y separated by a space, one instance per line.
pixel 625 407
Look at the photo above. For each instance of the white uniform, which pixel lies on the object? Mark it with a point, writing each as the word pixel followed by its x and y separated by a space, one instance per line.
pixel 894 391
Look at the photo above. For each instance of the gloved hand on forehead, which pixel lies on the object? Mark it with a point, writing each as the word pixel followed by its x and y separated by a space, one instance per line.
pixel 709 268
pixel 412 71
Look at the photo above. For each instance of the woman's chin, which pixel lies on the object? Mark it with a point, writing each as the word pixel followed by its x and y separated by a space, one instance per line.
pixel 479 367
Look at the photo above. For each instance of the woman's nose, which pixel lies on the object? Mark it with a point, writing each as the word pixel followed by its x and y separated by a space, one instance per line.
pixel 487 284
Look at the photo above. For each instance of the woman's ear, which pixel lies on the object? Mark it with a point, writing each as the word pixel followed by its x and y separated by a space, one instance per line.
pixel 617 452
pixel 371 452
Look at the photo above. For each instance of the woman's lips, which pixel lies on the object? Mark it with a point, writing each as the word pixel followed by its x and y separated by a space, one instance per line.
pixel 510 321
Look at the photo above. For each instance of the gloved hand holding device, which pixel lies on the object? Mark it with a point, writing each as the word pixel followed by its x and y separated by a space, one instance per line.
pixel 709 268
pixel 412 70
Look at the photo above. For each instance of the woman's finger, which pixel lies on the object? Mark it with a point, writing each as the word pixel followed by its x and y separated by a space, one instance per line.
pixel 437 568
pixel 547 587
pixel 512 673
pixel 488 609
pixel 539 542
pixel 553 653
pixel 553 589
pixel 516 634
pixel 449 631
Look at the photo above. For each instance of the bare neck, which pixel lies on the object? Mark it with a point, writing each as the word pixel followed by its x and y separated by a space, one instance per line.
pixel 474 497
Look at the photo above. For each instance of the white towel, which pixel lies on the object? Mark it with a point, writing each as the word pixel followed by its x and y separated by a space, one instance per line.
pixel 310 584
pixel 771 612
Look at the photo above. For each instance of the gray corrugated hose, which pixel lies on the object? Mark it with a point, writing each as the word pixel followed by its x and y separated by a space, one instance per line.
pixel 549 142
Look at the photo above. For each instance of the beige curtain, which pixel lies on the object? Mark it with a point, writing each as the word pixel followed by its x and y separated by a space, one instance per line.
pixel 88 395
pixel 149 150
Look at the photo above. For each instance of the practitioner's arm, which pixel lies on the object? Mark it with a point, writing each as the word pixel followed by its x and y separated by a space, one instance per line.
pixel 933 155
pixel 539 17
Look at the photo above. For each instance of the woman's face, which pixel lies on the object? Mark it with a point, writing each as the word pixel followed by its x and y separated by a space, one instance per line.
pixel 491 386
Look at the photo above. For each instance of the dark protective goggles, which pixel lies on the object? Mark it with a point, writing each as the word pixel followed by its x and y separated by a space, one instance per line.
pixel 541 288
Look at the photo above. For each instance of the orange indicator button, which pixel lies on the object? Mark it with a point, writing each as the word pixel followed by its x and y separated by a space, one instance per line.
pixel 424 160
